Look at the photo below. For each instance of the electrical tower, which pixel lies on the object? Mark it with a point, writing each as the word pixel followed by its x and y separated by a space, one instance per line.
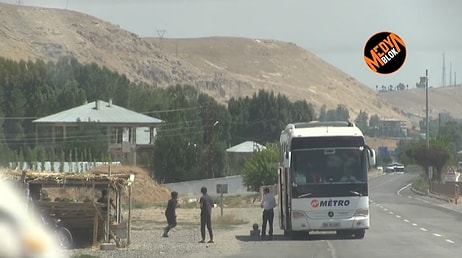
pixel 161 34
pixel 444 72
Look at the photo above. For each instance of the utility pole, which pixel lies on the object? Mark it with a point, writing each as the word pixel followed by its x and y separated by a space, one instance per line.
pixel 426 120
pixel 444 72
pixel 208 160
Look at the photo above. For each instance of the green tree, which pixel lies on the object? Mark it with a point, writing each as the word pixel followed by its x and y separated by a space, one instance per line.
pixel 361 121
pixel 374 125
pixel 257 170
pixel 323 113
pixel 341 113
pixel 262 117
pixel 436 156
pixel 452 132
pixel 87 135
pixel 191 143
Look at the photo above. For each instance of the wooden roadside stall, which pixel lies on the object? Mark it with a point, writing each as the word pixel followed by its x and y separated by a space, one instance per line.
pixel 86 218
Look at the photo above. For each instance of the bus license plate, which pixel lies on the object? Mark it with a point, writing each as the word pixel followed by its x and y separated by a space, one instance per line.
pixel 331 224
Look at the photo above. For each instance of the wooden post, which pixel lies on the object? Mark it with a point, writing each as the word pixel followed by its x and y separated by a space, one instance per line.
pixel 108 215
pixel 95 228
pixel 456 193
pixel 108 206
pixel 129 223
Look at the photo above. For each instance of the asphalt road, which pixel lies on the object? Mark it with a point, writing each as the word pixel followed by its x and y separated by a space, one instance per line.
pixel 403 224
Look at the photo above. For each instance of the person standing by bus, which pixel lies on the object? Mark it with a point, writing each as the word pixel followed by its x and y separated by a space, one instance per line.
pixel 268 203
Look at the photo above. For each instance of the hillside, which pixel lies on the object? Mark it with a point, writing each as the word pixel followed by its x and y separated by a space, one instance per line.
pixel 221 67
pixel 440 100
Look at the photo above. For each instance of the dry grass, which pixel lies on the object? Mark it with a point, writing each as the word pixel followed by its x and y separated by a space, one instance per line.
pixel 228 220
pixel 146 192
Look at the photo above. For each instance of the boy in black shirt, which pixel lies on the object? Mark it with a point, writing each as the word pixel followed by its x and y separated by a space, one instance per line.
pixel 170 213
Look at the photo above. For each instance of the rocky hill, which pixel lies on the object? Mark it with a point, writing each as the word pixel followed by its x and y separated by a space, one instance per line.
pixel 221 67
pixel 440 100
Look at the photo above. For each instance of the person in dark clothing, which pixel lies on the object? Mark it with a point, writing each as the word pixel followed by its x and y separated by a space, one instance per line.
pixel 170 213
pixel 104 199
pixel 206 204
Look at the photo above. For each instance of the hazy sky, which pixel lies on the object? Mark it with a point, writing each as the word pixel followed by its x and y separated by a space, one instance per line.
pixel 335 30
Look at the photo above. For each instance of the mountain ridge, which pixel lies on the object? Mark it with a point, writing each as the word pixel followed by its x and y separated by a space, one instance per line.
pixel 220 66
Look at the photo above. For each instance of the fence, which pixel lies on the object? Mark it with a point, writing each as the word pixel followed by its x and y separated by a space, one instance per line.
pixel 66 167
pixel 192 189
pixel 446 189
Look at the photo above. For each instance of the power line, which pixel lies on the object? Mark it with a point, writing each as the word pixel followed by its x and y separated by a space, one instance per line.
pixel 171 110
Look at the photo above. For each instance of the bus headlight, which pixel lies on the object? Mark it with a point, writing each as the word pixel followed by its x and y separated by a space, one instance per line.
pixel 298 215
pixel 362 212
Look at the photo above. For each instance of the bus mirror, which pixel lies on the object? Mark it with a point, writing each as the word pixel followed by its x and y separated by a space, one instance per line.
pixel 287 154
pixel 371 156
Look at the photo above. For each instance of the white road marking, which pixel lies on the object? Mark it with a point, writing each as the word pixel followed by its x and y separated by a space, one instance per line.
pixel 404 187
pixel 415 224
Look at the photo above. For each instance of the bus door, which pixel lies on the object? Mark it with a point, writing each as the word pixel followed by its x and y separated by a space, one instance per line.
pixel 284 198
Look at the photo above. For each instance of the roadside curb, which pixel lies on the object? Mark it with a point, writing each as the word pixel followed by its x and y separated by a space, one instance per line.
pixel 436 196
pixel 451 205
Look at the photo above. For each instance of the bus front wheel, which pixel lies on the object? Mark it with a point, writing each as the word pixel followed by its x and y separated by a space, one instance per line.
pixel 359 234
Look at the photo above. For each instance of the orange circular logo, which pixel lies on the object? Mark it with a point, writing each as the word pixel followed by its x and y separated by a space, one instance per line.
pixel 385 52
pixel 314 203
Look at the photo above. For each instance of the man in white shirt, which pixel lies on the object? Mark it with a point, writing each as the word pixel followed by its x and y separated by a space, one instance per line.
pixel 268 203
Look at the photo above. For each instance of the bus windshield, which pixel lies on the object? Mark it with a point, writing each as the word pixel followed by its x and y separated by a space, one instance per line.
pixel 331 171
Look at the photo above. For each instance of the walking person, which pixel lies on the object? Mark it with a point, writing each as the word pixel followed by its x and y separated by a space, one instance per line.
pixel 206 204
pixel 268 203
pixel 170 213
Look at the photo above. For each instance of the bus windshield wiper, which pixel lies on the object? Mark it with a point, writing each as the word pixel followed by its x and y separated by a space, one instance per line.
pixel 304 195
pixel 355 193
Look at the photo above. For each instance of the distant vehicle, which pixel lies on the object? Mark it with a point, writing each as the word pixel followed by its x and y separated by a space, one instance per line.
pixel 394 167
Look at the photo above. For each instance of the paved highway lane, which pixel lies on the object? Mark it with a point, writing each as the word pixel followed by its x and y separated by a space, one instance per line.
pixel 409 224
pixel 403 224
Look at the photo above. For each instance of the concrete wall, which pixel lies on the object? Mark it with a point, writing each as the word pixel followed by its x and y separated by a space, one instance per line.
pixel 192 189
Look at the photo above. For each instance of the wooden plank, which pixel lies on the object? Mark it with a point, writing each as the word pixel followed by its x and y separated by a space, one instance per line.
pixel 95 229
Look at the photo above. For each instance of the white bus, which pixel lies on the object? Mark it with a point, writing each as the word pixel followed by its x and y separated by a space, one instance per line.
pixel 322 179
